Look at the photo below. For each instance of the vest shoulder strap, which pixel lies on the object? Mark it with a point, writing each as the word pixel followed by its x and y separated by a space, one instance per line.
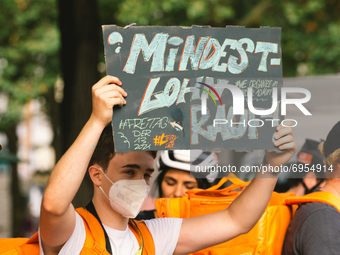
pixel 95 240
pixel 149 246
pixel 320 196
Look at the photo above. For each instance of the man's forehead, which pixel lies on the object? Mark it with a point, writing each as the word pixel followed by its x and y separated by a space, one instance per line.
pixel 134 157
pixel 152 153
pixel 135 153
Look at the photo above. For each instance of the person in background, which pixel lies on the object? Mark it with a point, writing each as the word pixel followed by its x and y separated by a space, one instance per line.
pixel 305 182
pixel 174 166
pixel 174 178
pixel 315 228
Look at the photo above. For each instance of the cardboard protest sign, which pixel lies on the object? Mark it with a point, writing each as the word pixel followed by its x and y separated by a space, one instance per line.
pixel 195 87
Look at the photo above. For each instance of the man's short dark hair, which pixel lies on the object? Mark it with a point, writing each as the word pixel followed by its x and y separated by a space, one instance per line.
pixel 105 149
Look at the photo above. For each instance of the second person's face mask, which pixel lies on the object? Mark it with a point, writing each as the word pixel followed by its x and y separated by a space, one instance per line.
pixel 127 196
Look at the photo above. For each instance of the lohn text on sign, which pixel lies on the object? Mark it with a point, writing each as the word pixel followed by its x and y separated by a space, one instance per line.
pixel 174 91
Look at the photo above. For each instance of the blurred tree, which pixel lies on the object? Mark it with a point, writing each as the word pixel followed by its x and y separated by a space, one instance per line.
pixel 29 43
pixel 80 38
pixel 81 62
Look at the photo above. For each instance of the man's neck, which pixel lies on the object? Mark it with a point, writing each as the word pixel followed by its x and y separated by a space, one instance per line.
pixel 108 216
pixel 332 186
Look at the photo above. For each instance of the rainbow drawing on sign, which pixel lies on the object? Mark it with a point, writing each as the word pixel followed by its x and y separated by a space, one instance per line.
pixel 213 90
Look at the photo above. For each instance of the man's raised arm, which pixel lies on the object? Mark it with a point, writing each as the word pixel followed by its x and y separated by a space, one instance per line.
pixel 207 230
pixel 57 219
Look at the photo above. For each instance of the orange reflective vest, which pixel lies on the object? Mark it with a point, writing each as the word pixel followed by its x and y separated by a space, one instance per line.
pixel 266 237
pixel 94 242
pixel 320 197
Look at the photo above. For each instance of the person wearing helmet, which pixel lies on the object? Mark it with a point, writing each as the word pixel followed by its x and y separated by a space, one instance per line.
pixel 174 177
pixel 306 182
pixel 174 166
pixel 315 228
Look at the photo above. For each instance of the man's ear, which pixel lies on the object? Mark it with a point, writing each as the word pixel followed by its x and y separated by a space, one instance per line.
pixel 95 175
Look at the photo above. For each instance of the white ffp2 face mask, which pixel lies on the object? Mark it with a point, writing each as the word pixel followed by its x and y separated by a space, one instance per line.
pixel 127 196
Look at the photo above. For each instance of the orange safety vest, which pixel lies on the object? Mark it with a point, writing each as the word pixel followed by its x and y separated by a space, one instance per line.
pixel 320 197
pixel 94 242
pixel 265 238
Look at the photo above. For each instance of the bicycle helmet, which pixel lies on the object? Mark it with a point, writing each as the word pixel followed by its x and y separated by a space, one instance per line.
pixel 187 160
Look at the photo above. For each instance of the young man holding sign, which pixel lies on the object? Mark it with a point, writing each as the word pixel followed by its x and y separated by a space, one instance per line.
pixel 121 185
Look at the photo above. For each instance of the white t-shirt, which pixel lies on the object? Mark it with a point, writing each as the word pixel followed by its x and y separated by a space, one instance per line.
pixel 164 231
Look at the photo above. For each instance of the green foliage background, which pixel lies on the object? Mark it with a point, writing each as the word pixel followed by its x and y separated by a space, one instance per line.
pixel 29 45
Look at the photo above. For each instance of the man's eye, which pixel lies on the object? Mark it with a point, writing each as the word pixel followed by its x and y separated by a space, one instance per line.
pixel 130 172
